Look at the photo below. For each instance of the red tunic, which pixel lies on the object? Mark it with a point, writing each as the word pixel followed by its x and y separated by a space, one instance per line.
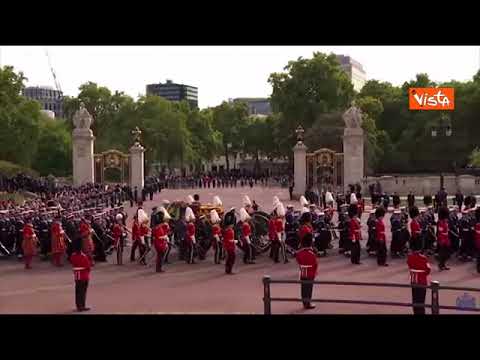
pixel 86 232
pixel 272 234
pixel 136 231
pixel 442 233
pixel 165 227
pixel 29 241
pixel 58 238
pixel 81 266
pixel 307 260
pixel 190 232
pixel 415 229
pixel 279 225
pixel 144 230
pixel 117 233
pixel 380 230
pixel 304 230
pixel 216 230
pixel 246 231
pixel 355 230
pixel 419 268
pixel 229 239
pixel 159 238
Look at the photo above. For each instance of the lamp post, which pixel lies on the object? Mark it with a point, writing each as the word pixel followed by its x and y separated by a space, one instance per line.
pixel 443 129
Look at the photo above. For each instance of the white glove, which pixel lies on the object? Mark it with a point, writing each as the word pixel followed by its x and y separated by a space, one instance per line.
pixel 194 240
pixel 280 237
pixel 247 239
pixel 217 238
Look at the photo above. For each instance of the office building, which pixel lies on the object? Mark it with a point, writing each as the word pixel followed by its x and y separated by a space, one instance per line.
pixel 256 106
pixel 49 98
pixel 175 92
pixel 355 71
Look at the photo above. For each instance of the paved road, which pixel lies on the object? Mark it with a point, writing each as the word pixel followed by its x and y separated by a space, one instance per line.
pixel 204 287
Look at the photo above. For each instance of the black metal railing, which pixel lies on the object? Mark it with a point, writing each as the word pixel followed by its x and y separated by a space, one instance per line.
pixel 434 287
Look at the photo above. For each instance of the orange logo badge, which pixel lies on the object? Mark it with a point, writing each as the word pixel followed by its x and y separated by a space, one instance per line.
pixel 431 98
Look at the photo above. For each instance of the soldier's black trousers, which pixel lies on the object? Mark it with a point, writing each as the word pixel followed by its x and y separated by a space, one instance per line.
pixel 81 287
pixel 159 262
pixel 443 255
pixel 190 252
pixel 217 248
pixel 418 297
pixel 230 261
pixel 306 292
pixel 247 256
pixel 381 253
pixel 137 244
pixel 355 253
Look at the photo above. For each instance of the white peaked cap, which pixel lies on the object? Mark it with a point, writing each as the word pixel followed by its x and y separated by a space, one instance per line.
pixel 217 201
pixel 353 198
pixel 246 201
pixel 190 199
pixel 189 215
pixel 303 201
pixel 214 217
pixel 328 197
pixel 276 200
pixel 142 216
pixel 280 209
pixel 304 210
pixel 166 215
pixel 244 215
pixel 119 217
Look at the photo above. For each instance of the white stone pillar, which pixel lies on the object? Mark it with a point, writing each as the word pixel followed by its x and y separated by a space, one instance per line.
pixel 137 167
pixel 83 164
pixel 353 156
pixel 299 169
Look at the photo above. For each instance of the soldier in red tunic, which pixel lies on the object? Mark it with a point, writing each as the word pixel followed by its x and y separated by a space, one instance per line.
pixel 166 229
pixel 415 229
pixel 443 239
pixel 137 240
pixel 81 266
pixel 229 246
pixel 246 236
pixel 29 244
pixel 216 234
pixel 58 242
pixel 160 242
pixel 190 239
pixel 419 270
pixel 306 227
pixel 381 237
pixel 355 234
pixel 279 214
pixel 88 246
pixel 307 261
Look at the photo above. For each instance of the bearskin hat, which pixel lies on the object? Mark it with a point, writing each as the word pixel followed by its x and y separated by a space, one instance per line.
pixel 352 210
pixel 443 213
pixel 414 212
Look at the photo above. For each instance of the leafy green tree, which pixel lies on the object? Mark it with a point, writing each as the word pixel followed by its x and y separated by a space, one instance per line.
pixel 474 158
pixel 307 89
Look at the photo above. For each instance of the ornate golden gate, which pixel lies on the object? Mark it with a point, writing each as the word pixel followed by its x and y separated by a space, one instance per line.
pixel 325 169
pixel 112 159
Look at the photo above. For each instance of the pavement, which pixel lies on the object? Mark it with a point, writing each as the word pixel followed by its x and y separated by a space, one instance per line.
pixel 204 288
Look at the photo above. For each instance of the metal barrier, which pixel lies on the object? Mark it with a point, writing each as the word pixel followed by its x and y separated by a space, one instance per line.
pixel 434 286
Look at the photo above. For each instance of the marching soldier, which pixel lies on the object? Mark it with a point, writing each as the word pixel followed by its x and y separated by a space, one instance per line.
pixel 343 227
pixel 453 229
pixel 306 225
pixel 381 237
pixel 81 266
pixel 459 199
pixel 246 234
pixel 29 244
pixel 119 237
pixel 396 227
pixel 190 235
pixel 137 241
pixel 395 200
pixel 415 229
pixel 324 238
pixel 355 234
pixel 411 199
pixel 44 237
pixel 88 246
pixel 229 246
pixel 216 234
pixel 58 242
pixel 419 270
pixel 443 239
pixel 308 263
pixel 166 229
pixel 160 240
pixel 371 242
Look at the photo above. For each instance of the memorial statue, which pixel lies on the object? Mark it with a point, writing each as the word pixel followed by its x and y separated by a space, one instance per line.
pixel 82 118
pixel 353 117
pixel 136 136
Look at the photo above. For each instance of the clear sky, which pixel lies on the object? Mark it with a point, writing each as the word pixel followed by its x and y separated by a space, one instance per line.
pixel 223 72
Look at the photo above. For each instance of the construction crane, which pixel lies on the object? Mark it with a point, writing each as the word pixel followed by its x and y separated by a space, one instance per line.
pixel 57 84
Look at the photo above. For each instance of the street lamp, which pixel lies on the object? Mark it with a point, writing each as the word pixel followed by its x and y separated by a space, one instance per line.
pixel 443 129
pixel 299 131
